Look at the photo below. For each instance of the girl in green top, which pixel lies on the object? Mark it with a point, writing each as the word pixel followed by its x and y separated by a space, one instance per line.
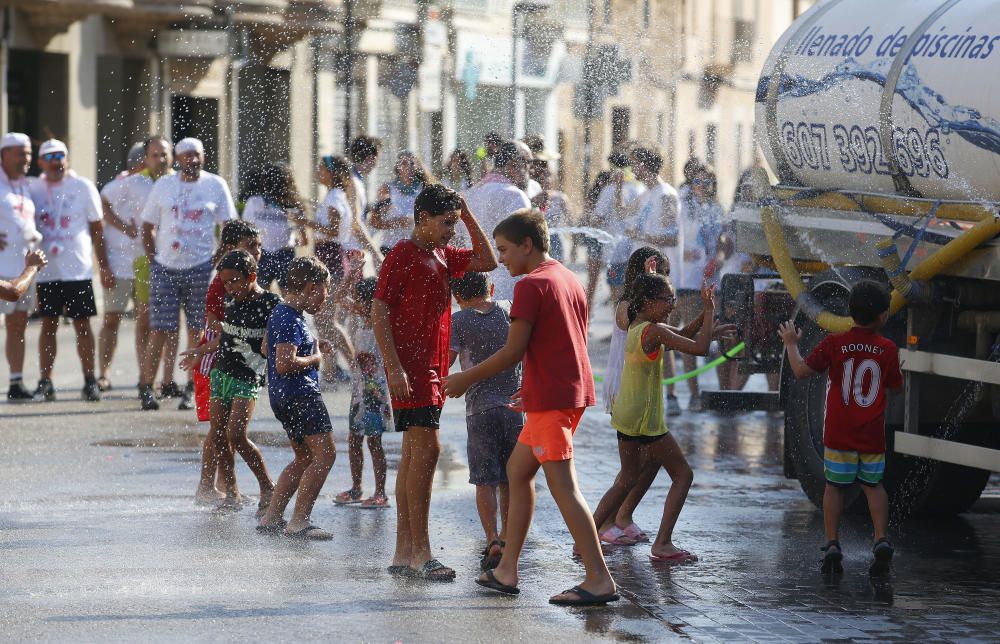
pixel 637 413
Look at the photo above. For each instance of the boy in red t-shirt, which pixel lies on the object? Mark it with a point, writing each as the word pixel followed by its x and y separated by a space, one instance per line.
pixel 549 331
pixel 412 320
pixel 861 365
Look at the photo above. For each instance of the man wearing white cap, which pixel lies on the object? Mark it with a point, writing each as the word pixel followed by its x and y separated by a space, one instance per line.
pixel 68 214
pixel 178 235
pixel 498 195
pixel 17 234
pixel 123 200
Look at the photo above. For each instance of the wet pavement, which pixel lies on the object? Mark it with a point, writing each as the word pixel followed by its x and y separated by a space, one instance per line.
pixel 100 540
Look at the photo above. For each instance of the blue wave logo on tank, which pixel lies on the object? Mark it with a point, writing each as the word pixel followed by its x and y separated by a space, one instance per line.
pixel 967 122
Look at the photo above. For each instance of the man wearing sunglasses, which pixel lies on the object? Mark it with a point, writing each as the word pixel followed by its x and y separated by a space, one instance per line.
pixel 17 234
pixel 68 214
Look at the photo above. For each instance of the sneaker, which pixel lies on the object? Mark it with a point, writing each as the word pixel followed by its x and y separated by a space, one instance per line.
pixel 147 398
pixel 18 394
pixel 91 392
pixel 187 397
pixel 695 403
pixel 833 559
pixel 170 390
pixel 673 407
pixel 883 558
pixel 45 391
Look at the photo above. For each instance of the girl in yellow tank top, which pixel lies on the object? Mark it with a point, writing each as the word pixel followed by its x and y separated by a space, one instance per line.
pixel 637 414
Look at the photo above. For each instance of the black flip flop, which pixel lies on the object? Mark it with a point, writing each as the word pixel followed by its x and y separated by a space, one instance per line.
pixel 585 598
pixel 400 570
pixel 492 583
pixel 430 567
pixel 273 528
pixel 883 552
pixel 306 534
pixel 491 561
pixel 833 559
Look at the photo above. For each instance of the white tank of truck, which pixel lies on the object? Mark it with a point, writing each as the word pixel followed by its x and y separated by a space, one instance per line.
pixel 893 97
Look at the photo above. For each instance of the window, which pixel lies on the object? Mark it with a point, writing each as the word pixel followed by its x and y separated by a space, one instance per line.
pixel 645 14
pixel 692 142
pixel 659 128
pixel 620 121
pixel 711 138
pixel 607 12
pixel 742 50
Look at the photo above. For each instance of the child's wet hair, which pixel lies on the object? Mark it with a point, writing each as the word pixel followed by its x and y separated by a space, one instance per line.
pixel 646 288
pixel 238 260
pixel 526 223
pixel 303 271
pixel 637 266
pixel 867 301
pixel 233 232
pixel 471 285
pixel 436 199
pixel 364 291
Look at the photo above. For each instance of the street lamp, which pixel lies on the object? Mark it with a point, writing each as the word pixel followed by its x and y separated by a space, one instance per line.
pixel 520 8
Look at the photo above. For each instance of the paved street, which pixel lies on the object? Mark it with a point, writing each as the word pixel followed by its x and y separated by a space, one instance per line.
pixel 100 540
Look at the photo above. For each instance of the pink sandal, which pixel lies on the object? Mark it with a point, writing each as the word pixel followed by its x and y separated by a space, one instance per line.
pixel 681 556
pixel 636 533
pixel 617 537
pixel 347 497
pixel 375 503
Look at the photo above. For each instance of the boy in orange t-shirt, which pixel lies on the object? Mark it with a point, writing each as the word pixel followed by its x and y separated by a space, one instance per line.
pixel 549 332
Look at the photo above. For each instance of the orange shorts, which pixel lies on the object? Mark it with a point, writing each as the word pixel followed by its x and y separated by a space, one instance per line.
pixel 549 433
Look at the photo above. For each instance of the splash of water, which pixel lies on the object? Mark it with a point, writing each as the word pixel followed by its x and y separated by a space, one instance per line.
pixel 967 122
pixel 601 236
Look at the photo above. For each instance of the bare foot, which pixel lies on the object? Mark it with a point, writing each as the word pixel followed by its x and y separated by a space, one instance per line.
pixel 209 496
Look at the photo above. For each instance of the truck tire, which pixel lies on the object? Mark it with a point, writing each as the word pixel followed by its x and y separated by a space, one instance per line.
pixel 916 487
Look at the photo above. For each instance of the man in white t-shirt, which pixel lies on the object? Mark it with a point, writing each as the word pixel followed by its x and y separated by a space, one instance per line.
pixel 658 225
pixel 123 200
pixel 616 212
pixel 68 214
pixel 17 234
pixel 178 235
pixel 496 197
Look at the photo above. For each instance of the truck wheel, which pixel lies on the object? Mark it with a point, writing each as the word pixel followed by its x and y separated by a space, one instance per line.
pixel 924 487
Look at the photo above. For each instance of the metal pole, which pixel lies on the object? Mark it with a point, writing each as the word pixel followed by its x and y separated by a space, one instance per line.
pixel 349 71
pixel 513 70
pixel 588 99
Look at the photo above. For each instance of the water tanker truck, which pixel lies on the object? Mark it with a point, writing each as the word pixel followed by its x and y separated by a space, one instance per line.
pixel 881 122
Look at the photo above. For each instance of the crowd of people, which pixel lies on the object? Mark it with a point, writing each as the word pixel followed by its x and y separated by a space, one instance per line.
pixel 379 285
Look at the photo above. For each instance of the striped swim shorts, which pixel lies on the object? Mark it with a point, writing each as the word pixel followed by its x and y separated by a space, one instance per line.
pixel 843 468
pixel 170 290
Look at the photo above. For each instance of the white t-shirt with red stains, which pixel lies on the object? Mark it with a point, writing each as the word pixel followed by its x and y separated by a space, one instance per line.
pixel 17 224
pixel 185 214
pixel 64 211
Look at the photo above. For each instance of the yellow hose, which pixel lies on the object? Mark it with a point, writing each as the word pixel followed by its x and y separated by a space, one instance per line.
pixel 987 228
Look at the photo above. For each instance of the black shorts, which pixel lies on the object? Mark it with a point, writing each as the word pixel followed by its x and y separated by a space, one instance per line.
pixel 301 417
pixel 642 440
pixel 595 249
pixel 75 300
pixel 273 265
pixel 419 417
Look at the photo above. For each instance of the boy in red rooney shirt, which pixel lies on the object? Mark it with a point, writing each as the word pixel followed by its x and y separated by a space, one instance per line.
pixel 549 331
pixel 412 320
pixel 861 365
